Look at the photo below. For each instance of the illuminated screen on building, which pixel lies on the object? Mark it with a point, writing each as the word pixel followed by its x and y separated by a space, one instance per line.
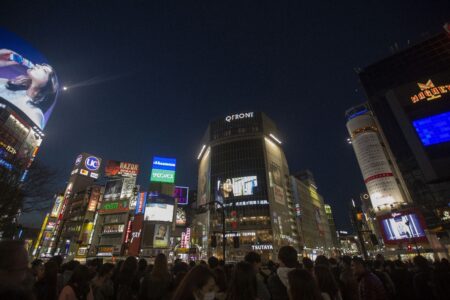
pixel 159 212
pixel 402 226
pixel 163 169
pixel 434 129
pixel 235 187
pixel 28 84
pixel 181 195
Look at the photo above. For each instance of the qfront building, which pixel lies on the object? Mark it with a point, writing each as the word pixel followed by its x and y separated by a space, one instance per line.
pixel 242 167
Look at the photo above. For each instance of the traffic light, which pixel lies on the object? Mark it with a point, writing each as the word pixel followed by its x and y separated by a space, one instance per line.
pixel 235 241
pixel 409 247
pixel 213 241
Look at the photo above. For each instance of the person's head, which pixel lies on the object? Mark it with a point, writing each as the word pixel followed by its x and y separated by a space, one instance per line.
pixel 227 186
pixel 80 280
pixel 50 272
pixel 308 264
pixel 142 265
pixel 358 266
pixel 106 270
pixel 333 262
pixel 37 268
pixel 421 262
pixel 326 281
pixel 322 260
pixel 379 257
pixel 191 264
pixel 213 262
pixel 160 269
pixel 13 262
pixel 58 259
pixel 243 282
pixel 198 283
pixel 287 257
pixel 162 229
pixel 378 265
pixel 127 271
pixel 302 286
pixel 254 259
pixel 346 261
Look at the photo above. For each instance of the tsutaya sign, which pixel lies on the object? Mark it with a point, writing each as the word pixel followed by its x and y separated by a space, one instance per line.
pixel 430 92
pixel 246 115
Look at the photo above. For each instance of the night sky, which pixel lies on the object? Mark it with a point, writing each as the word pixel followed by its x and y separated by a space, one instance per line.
pixel 156 72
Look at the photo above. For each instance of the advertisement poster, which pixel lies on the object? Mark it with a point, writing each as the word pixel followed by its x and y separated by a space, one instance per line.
pixel 94 198
pixel 181 217
pixel 203 182
pixel 119 168
pixel 136 231
pixel 128 185
pixel 277 184
pixel 159 212
pixel 163 169
pixel 161 236
pixel 28 84
pixel 57 207
pixel 113 190
pixel 236 187
pixel 403 226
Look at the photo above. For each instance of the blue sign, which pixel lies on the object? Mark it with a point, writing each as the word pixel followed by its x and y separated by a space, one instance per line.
pixel 163 163
pixel 92 163
pixel 434 129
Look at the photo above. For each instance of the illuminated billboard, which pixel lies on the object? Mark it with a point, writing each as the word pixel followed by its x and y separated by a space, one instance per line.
pixel 433 129
pixel 402 227
pixel 141 202
pixel 161 236
pixel 159 212
pixel 57 207
pixel 118 168
pixel 28 84
pixel 163 169
pixel 113 190
pixel 235 187
pixel 181 195
pixel 181 217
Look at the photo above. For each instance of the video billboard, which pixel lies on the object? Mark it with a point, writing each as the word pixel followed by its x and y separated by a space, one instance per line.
pixel 119 168
pixel 57 207
pixel 235 187
pixel 159 212
pixel 113 190
pixel 161 236
pixel 433 129
pixel 28 84
pixel 402 227
pixel 163 169
pixel 181 217
pixel 181 195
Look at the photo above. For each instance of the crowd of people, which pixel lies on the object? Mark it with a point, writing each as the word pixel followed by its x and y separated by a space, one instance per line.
pixel 325 278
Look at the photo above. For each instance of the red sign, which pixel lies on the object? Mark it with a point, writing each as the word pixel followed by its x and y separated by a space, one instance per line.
pixel 135 238
pixel 118 168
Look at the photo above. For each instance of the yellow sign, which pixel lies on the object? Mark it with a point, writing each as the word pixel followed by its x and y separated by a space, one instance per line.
pixel 429 91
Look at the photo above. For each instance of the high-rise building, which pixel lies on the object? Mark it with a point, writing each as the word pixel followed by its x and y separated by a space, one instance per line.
pixel 331 224
pixel 312 220
pixel 242 167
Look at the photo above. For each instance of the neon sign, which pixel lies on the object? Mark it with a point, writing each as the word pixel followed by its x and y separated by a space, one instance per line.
pixel 429 91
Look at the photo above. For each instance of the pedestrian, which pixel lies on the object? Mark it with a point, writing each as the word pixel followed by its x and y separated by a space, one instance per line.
pixel 243 283
pixel 46 288
pixel 369 285
pixel 308 264
pixel 422 280
pixel 78 287
pixel 213 262
pixel 278 282
pixel 302 286
pixel 254 259
pixel 326 282
pixel 347 280
pixel 198 284
pixel 123 285
pixel 102 285
pixel 156 285
pixel 384 277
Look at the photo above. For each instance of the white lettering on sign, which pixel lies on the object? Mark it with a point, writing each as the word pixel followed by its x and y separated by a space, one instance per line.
pixel 262 247
pixel 160 163
pixel 239 116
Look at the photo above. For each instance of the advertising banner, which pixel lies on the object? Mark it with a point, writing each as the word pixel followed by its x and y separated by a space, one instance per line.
pixel 159 212
pixel 141 202
pixel 161 236
pixel 94 198
pixel 28 84
pixel 181 195
pixel 57 207
pixel 111 207
pixel 118 168
pixel 181 217
pixel 136 231
pixel 236 187
pixel 403 226
pixel 277 184
pixel 113 190
pixel 128 188
pixel 163 170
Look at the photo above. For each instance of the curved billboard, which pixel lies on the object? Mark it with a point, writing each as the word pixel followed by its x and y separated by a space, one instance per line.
pixel 28 83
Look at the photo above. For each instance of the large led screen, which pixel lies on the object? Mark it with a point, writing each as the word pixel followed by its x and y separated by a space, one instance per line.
pixel 181 195
pixel 163 169
pixel 113 190
pixel 159 212
pixel 28 84
pixel 161 236
pixel 402 227
pixel 235 187
pixel 434 129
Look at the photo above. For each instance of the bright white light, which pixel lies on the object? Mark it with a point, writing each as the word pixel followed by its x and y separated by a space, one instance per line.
pixel 201 151
pixel 272 136
pixel 64 88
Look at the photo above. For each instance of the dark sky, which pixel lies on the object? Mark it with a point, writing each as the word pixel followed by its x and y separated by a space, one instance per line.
pixel 179 65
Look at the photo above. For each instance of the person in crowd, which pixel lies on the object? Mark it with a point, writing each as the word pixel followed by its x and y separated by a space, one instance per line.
pixel 46 288
pixel 156 285
pixel 422 280
pixel 102 285
pixel 302 286
pixel 213 262
pixel 140 274
pixel 441 278
pixel 334 268
pixel 347 280
pixel 278 283
pixel 322 260
pixel 179 270
pixel 308 264
pixel 37 269
pixel 369 286
pixel 198 284
pixel 14 271
pixel 124 281
pixel 67 271
pixel 243 284
pixel 403 280
pixel 327 284
pixel 78 287
pixel 94 266
pixel 254 259
pixel 388 284
pixel 221 282
pixel 191 264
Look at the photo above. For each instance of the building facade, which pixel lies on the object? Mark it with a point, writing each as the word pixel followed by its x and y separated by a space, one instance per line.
pixel 242 167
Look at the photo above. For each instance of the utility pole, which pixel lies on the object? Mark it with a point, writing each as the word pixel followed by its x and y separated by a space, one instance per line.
pixel 224 238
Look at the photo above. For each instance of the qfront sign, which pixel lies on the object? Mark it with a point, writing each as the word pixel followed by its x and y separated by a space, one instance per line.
pixel 239 116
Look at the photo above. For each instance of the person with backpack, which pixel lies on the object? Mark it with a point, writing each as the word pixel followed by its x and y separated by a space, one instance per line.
pixel 278 283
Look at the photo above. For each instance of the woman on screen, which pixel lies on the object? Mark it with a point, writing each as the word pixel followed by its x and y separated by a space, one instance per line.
pixel 29 92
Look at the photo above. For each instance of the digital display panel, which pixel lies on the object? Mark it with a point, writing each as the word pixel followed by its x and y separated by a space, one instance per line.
pixel 159 212
pixel 163 169
pixel 113 190
pixel 402 226
pixel 434 129
pixel 161 236
pixel 235 187
pixel 181 217
pixel 181 195
pixel 28 84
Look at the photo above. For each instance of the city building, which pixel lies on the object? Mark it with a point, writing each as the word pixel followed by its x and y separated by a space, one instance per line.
pixel 243 179
pixel 331 224
pixel 312 220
